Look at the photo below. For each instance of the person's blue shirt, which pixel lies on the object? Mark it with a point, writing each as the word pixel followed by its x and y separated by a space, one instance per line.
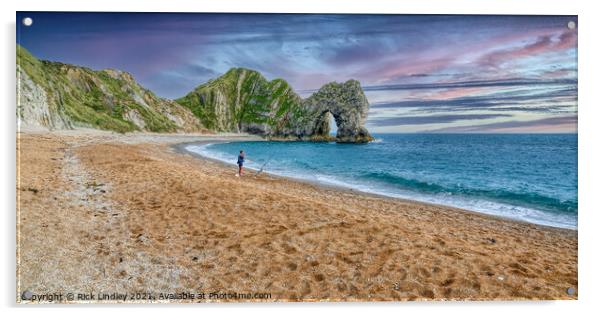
pixel 241 159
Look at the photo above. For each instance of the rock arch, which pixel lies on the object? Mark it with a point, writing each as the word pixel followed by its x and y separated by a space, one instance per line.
pixel 349 107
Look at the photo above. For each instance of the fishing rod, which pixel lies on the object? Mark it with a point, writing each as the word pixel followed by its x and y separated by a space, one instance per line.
pixel 263 166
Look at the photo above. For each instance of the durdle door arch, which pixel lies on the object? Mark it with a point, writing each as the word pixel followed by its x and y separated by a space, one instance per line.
pixel 348 105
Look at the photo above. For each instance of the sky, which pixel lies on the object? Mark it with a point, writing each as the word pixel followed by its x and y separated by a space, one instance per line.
pixel 420 73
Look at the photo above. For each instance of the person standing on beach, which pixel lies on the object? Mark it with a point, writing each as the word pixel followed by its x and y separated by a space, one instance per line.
pixel 241 161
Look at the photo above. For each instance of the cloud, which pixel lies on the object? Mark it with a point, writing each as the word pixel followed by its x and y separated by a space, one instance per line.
pixel 542 101
pixel 543 44
pixel 554 124
pixel 429 61
pixel 472 84
pixel 430 119
pixel 198 70
pixel 560 73
pixel 516 96
pixel 176 83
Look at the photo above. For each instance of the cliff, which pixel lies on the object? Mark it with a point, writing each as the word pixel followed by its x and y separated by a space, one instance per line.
pixel 61 96
pixel 54 95
pixel 348 105
pixel 242 100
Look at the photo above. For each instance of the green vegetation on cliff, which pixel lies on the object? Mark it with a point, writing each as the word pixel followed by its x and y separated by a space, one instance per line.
pixel 57 95
pixel 243 100
pixel 106 99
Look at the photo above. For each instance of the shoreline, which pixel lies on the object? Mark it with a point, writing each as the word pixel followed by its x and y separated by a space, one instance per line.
pixel 181 148
pixel 117 213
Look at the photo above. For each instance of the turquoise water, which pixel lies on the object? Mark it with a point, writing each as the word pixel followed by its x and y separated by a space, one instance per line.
pixel 530 177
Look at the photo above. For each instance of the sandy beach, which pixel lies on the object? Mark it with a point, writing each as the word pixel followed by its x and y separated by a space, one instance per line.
pixel 107 212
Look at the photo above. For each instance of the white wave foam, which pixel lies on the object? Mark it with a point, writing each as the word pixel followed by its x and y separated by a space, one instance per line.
pixel 481 206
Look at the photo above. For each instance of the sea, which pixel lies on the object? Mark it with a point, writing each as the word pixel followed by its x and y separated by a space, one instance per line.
pixel 526 177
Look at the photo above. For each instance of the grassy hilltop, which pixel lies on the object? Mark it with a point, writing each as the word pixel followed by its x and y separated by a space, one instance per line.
pixel 243 100
pixel 105 99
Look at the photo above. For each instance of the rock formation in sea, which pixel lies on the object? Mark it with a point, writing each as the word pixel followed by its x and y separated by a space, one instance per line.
pixel 55 95
pixel 348 105
pixel 242 100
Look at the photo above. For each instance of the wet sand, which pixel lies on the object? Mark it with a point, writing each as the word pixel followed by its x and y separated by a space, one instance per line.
pixel 105 212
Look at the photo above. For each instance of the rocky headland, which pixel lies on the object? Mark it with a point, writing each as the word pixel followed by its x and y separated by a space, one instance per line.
pixel 55 96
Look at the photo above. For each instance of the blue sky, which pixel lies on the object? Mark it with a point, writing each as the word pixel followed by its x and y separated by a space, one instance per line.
pixel 420 72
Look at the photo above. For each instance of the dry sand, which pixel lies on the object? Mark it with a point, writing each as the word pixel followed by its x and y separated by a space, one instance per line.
pixel 109 213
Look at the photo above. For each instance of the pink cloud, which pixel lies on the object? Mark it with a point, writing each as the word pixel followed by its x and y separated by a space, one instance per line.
pixel 567 40
pixel 559 73
pixel 456 57
pixel 409 66
pixel 458 93
pixel 543 44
